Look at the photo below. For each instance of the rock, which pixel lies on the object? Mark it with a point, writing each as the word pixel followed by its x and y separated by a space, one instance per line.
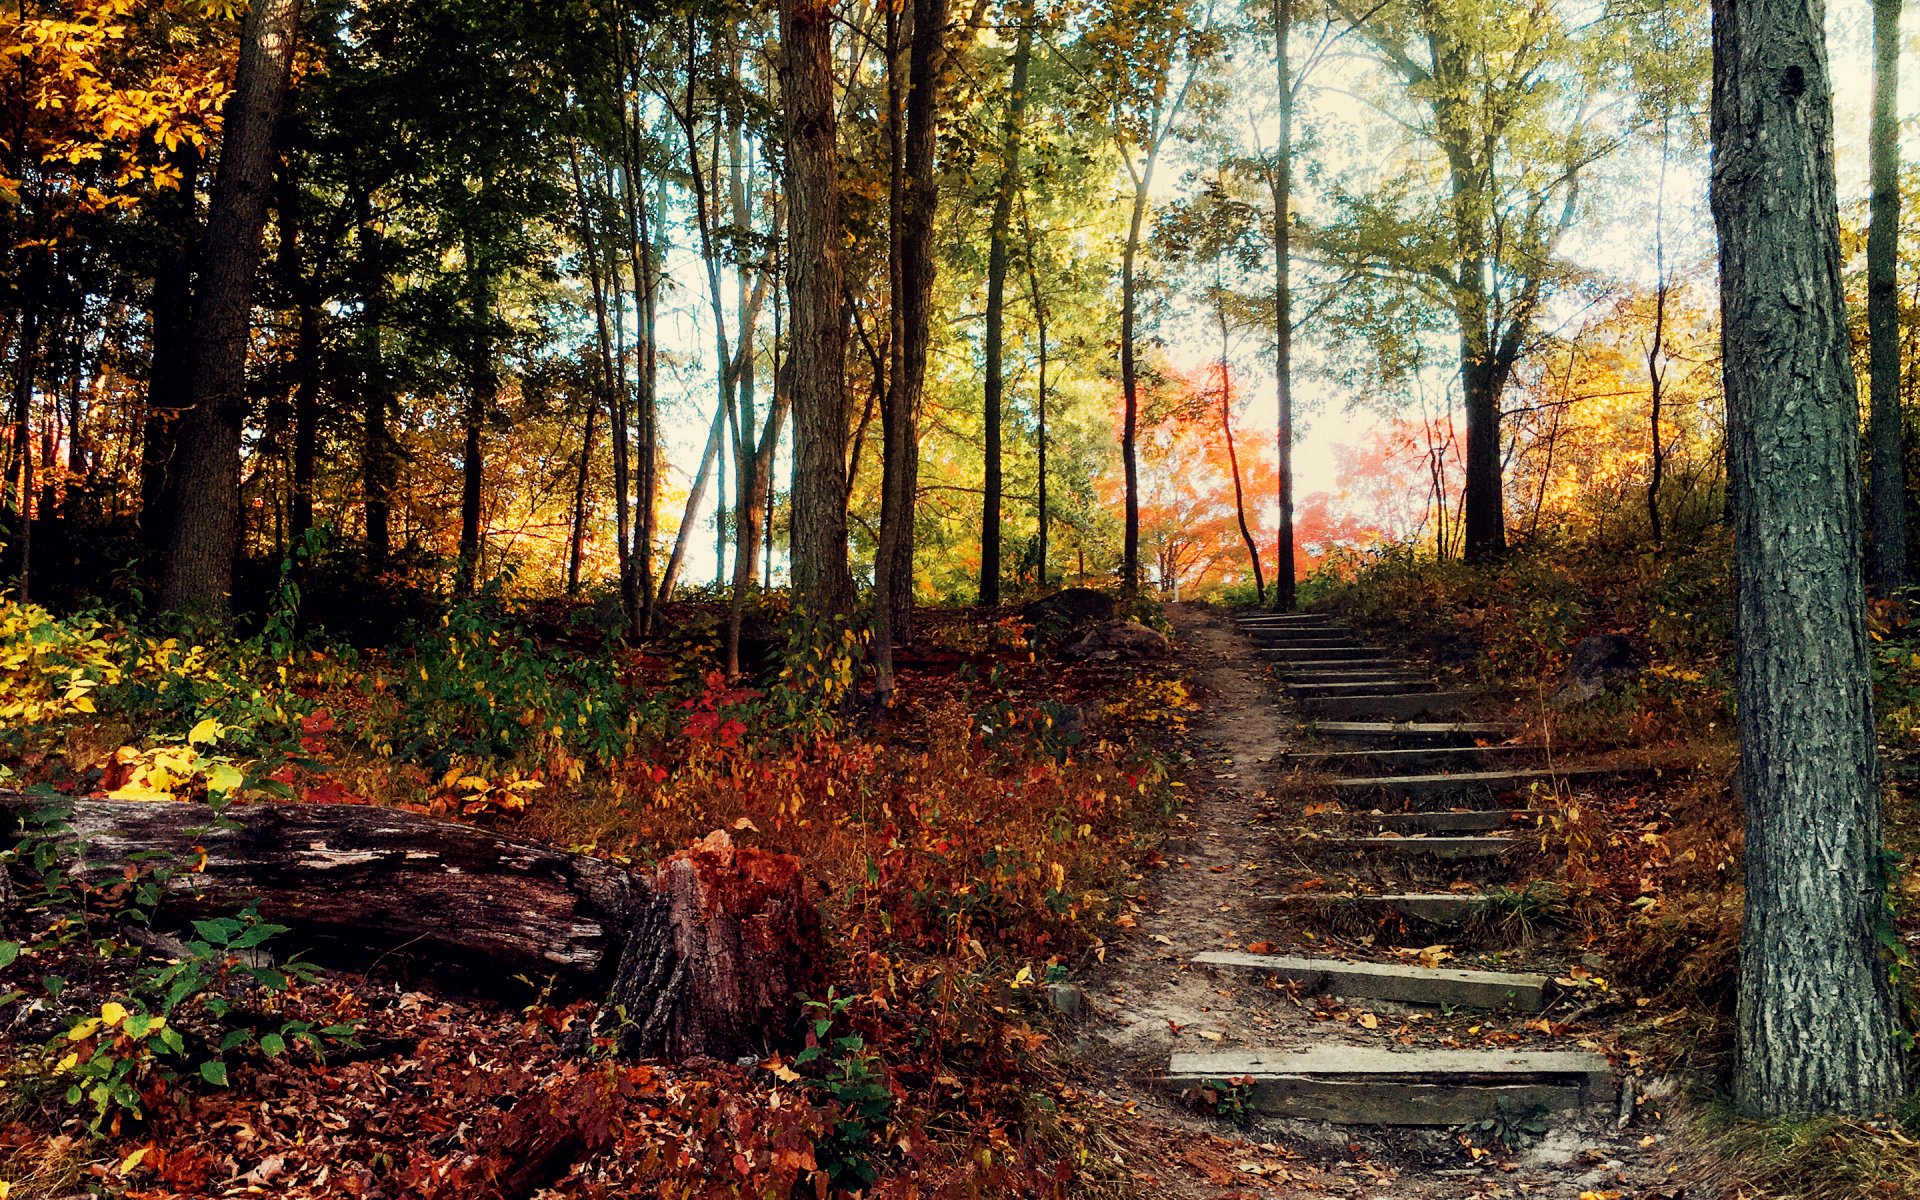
pixel 1066 999
pixel 1117 641
pixel 1069 611
pixel 1597 663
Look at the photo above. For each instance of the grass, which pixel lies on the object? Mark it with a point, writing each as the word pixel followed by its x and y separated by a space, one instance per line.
pixel 1816 1158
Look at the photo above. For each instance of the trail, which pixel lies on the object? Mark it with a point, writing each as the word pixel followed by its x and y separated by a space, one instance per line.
pixel 1245 836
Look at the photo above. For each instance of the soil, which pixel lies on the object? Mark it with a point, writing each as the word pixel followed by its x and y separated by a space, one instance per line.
pixel 1237 838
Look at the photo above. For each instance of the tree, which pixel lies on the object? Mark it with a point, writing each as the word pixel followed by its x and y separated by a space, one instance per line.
pixel 1887 427
pixel 1483 245
pixel 822 580
pixel 1816 1019
pixel 1147 63
pixel 1280 178
pixel 204 490
pixel 996 314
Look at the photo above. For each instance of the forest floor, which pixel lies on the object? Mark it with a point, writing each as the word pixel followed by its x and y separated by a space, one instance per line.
pixel 1229 845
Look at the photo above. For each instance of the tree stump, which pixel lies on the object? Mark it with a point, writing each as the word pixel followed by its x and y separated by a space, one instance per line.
pixel 731 937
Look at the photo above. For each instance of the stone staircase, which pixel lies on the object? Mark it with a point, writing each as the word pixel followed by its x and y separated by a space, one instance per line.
pixel 1437 832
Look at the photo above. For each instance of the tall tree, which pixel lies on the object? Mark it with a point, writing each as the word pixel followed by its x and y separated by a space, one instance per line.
pixel 1148 65
pixel 1816 1020
pixel 906 386
pixel 1280 178
pixel 822 580
pixel 1512 151
pixel 994 382
pixel 204 484
pixel 1886 425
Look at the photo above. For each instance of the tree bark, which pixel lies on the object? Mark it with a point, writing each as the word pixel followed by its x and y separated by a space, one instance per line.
pixel 1816 1019
pixel 1284 596
pixel 204 482
pixel 379 466
pixel 1040 397
pixel 1129 383
pixel 482 392
pixel 1887 426
pixel 170 364
pixel 996 312
pixel 822 579
pixel 705 955
pixel 1233 460
pixel 900 418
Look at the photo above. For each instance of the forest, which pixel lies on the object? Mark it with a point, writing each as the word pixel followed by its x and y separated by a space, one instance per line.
pixel 900 598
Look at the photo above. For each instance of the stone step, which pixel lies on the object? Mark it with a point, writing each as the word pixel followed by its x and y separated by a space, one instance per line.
pixel 1434 908
pixel 1296 646
pixel 1451 848
pixel 1268 618
pixel 1489 820
pixel 1403 982
pixel 1403 706
pixel 1366 1085
pixel 1466 759
pixel 1399 685
pixel 1317 654
pixel 1427 733
pixel 1468 784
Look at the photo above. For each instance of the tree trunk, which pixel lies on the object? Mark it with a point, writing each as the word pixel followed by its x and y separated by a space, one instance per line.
pixel 1129 384
pixel 482 392
pixel 706 955
pixel 1284 595
pixel 1656 367
pixel 170 365
pixel 577 542
pixel 1233 462
pixel 996 313
pixel 1816 1022
pixel 1888 495
pixel 1040 393
pixel 900 419
pixel 204 484
pixel 822 580
pixel 696 496
pixel 27 361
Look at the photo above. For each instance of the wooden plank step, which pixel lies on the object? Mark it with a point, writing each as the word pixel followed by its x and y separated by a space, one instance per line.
pixel 1487 820
pixel 1458 784
pixel 1364 669
pixel 1317 654
pixel 1285 618
pixel 1435 908
pixel 1366 1085
pixel 1403 982
pixel 1387 762
pixel 1399 685
pixel 1404 706
pixel 1454 733
pixel 1359 667
pixel 1329 634
pixel 1453 849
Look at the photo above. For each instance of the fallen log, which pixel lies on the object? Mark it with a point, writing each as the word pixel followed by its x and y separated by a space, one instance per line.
pixel 704 955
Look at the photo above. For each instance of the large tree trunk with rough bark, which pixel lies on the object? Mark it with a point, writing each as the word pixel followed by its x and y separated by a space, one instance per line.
pixel 704 955
pixel 1816 1021
pixel 204 478
pixel 822 580
pixel 1887 425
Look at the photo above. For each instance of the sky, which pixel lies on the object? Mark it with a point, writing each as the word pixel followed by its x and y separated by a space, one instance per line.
pixel 1611 236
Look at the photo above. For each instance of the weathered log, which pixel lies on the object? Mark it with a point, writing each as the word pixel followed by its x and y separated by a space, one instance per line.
pixel 705 956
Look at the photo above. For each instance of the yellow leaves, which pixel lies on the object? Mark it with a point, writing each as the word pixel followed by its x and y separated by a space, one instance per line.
pixel 205 732
pixel 133 1160
pixel 113 1012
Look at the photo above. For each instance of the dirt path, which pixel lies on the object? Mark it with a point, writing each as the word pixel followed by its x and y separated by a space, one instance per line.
pixel 1206 896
